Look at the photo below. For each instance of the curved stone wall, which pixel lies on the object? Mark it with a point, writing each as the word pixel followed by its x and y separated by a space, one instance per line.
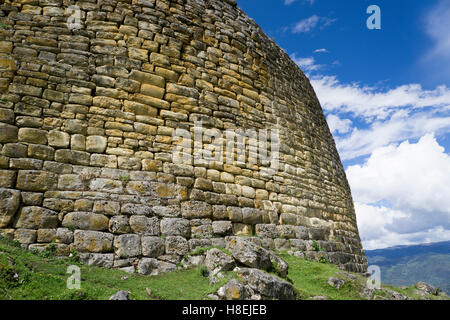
pixel 94 101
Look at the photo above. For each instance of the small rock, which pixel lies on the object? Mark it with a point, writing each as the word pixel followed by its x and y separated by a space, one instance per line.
pixel 267 285
pixel 217 259
pixel 393 295
pixel 320 298
pixel 212 297
pixel 128 269
pixel 428 289
pixel 349 275
pixel 233 290
pixel 335 282
pixel 368 293
pixel 121 295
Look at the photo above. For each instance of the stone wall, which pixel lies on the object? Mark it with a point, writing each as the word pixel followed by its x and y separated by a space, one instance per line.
pixel 87 117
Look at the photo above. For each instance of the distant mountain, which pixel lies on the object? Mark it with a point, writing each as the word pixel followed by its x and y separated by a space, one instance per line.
pixel 407 265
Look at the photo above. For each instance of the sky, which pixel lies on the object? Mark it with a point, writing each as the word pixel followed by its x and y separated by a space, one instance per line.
pixel 386 95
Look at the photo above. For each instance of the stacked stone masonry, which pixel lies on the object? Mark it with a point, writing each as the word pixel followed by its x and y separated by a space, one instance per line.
pixel 87 116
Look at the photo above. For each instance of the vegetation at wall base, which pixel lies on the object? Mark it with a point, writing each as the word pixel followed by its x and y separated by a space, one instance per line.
pixel 27 275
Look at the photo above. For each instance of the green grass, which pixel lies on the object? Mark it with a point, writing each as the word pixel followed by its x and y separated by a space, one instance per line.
pixel 42 276
pixel 26 275
pixel 311 279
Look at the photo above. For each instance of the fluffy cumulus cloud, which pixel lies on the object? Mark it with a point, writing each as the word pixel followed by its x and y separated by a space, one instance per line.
pixel 402 193
pixel 384 116
pixel 401 186
pixel 338 125
pixel 369 102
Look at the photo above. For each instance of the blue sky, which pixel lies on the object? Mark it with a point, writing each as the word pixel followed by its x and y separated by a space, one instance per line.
pixel 386 95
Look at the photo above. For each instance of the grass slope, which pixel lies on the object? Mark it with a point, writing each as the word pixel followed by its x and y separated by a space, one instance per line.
pixel 26 275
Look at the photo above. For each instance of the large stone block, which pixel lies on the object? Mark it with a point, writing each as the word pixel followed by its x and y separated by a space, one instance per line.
pixel 36 218
pixel 34 180
pixel 86 221
pixel 152 247
pixel 151 266
pixel 9 204
pixel 58 139
pixel 32 135
pixel 96 144
pixel 127 245
pixel 7 178
pixel 144 225
pixel 8 133
pixel 175 227
pixel 196 210
pixel 119 225
pixel 93 241
pixel 176 245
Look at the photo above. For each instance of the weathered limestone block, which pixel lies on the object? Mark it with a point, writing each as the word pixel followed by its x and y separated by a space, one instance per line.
pixel 234 290
pixel 127 245
pixel 222 228
pixel 267 285
pixel 119 225
pixel 93 241
pixel 7 179
pixel 217 259
pixel 32 198
pixel 32 135
pixel 8 133
pixel 266 230
pixel 86 221
pixel 106 185
pixel 46 235
pixel 64 235
pixel 251 216
pixel 240 229
pixel 78 142
pixel 104 260
pixel 196 210
pixel 96 144
pixel 109 208
pixel 36 218
pixel 175 227
pixel 152 247
pixel 151 266
pixel 176 245
pixel 143 225
pixel 136 209
pixel 15 150
pixel 29 180
pixel 249 254
pixel 25 236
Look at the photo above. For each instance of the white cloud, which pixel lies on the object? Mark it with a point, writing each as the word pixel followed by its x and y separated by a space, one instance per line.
pixel 338 125
pixel 369 101
pixel 411 181
pixel 322 50
pixel 308 24
pixel 437 27
pixel 374 225
pixel 401 126
pixel 388 116
pixel 306 64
